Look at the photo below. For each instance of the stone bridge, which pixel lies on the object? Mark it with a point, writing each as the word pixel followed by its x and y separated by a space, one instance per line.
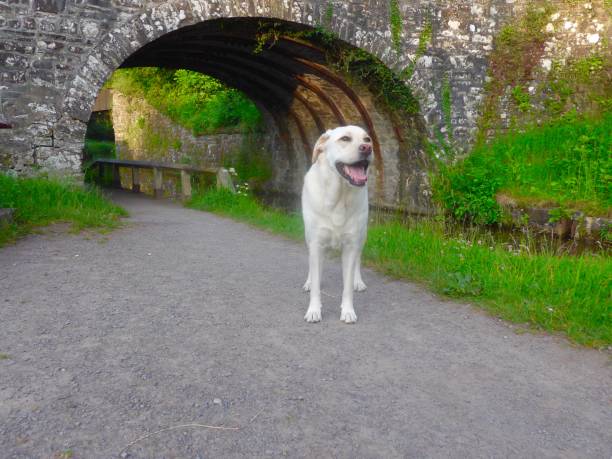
pixel 295 59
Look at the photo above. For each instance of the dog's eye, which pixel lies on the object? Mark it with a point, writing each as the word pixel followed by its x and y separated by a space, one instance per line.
pixel 367 139
pixel 345 138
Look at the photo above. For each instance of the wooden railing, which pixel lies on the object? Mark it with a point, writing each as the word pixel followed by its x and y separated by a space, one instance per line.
pixel 223 177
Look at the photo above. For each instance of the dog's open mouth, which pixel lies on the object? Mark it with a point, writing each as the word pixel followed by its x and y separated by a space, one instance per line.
pixel 356 173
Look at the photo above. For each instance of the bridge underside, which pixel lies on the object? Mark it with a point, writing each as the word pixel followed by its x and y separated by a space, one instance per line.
pixel 301 95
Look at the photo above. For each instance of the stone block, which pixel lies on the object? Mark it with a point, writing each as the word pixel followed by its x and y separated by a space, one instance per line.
pixel 48 6
pixel 224 180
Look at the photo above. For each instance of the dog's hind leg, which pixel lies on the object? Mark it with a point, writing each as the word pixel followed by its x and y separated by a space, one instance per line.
pixel 315 254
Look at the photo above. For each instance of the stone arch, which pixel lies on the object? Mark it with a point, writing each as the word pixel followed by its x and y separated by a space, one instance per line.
pixel 139 29
pixel 300 94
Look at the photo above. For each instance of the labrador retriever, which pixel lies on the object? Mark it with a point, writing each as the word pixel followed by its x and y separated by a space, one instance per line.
pixel 335 212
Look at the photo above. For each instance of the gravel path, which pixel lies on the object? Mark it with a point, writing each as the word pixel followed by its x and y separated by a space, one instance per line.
pixel 183 317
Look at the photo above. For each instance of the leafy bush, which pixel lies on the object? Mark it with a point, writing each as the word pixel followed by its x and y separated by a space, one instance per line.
pixel 100 127
pixel 196 101
pixel 95 149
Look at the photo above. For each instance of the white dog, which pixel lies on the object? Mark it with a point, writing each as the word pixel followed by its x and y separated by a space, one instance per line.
pixel 335 211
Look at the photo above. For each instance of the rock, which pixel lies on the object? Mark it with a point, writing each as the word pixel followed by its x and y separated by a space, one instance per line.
pixel 563 227
pixel 592 227
pixel 224 180
pixel 538 216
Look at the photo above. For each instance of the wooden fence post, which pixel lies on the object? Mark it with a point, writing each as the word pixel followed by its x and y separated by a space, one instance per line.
pixel 135 180
pixel 186 184
pixel 116 176
pixel 158 183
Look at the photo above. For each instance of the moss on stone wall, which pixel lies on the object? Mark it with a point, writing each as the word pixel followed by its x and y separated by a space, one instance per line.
pixel 525 90
pixel 447 106
pixel 517 49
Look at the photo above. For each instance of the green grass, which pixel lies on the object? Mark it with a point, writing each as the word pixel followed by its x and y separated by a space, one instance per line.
pixel 569 294
pixel 41 201
pixel 566 163
pixel 247 209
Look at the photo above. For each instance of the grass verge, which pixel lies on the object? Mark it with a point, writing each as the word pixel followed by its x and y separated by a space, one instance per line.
pixel 568 294
pixel 40 201
pixel 566 163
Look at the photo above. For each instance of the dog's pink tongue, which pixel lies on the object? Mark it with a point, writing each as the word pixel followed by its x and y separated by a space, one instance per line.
pixel 357 173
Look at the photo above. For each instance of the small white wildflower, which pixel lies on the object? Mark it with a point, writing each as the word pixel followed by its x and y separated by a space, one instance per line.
pixel 550 309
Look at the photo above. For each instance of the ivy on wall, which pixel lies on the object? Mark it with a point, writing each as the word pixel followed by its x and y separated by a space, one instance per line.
pixel 395 22
pixel 424 40
pixel 354 63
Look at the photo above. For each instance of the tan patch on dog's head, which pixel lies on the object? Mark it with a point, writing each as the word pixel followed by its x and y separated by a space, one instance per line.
pixel 319 146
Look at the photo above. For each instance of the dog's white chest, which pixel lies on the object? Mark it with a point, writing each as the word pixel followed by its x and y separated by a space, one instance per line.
pixel 338 215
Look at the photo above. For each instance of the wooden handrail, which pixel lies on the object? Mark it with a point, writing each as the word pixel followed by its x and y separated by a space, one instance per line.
pixel 223 178
pixel 156 165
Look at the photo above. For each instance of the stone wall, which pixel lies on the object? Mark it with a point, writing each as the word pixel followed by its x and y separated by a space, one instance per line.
pixel 56 54
pixel 143 133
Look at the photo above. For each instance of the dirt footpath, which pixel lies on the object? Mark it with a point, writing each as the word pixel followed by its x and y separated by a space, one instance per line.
pixel 185 318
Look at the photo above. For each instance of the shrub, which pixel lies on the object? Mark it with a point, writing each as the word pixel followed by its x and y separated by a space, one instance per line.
pixel 196 101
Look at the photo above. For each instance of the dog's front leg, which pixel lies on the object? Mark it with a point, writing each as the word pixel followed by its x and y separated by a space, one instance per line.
pixel 349 258
pixel 315 254
pixel 359 284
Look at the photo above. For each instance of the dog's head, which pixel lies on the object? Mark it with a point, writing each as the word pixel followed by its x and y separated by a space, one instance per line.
pixel 348 151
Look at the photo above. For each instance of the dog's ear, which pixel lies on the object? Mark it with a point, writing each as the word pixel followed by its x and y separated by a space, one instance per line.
pixel 318 148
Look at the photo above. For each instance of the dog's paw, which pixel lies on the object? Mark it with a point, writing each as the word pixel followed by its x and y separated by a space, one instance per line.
pixel 359 285
pixel 348 316
pixel 313 315
pixel 306 286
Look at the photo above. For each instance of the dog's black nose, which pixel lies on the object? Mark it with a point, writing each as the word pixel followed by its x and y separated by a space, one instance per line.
pixel 365 149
